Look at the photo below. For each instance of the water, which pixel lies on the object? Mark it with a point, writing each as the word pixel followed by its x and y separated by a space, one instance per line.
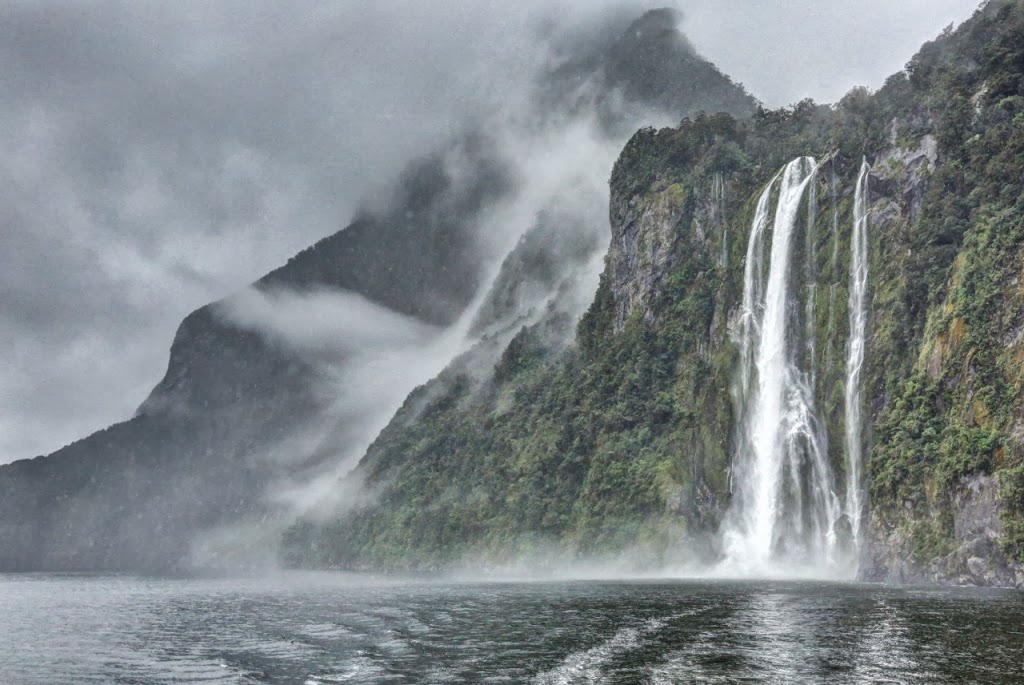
pixel 784 505
pixel 855 349
pixel 332 628
pixel 718 198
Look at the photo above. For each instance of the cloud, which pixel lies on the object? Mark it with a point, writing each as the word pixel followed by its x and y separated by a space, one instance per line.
pixel 155 157
pixel 368 359
pixel 158 156
pixel 325 321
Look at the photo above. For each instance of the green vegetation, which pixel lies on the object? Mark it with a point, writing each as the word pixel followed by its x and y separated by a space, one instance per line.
pixel 955 412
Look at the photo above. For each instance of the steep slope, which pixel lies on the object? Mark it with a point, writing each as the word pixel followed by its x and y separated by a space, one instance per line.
pixel 235 411
pixel 623 442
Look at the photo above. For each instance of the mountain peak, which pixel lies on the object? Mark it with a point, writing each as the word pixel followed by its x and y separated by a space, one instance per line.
pixel 655 21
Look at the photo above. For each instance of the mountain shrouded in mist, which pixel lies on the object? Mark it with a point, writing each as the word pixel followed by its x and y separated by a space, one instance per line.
pixel 270 395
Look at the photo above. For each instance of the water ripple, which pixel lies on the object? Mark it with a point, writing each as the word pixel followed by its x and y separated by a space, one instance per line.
pixel 318 630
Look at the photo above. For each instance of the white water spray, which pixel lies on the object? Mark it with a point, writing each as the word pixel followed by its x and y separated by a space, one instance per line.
pixel 855 350
pixel 784 508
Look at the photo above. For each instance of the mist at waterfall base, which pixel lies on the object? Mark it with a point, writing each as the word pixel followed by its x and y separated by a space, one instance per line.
pixel 315 629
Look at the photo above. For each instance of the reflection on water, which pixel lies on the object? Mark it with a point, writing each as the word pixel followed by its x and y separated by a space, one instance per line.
pixel 330 628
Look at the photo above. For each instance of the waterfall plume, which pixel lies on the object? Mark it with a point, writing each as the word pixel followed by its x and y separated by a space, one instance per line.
pixel 855 351
pixel 784 507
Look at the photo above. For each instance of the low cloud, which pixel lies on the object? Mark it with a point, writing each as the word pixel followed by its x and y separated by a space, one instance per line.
pixel 325 321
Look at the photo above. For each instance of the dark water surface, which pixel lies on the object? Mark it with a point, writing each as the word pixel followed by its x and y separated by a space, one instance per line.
pixel 315 629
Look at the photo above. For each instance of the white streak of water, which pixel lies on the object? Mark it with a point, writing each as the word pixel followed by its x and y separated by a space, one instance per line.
pixel 718 196
pixel 811 269
pixel 753 283
pixel 855 350
pixel 784 508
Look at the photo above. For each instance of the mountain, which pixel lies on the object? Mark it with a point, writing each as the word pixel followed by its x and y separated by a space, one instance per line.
pixel 244 411
pixel 643 440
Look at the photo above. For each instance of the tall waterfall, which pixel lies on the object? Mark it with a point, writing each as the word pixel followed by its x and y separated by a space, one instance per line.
pixel 784 507
pixel 855 350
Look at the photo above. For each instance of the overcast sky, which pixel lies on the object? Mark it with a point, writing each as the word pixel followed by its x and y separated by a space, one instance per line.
pixel 157 156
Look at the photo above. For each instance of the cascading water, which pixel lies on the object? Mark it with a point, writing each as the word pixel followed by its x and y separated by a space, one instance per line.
pixel 855 350
pixel 811 270
pixel 784 507
pixel 831 331
pixel 718 197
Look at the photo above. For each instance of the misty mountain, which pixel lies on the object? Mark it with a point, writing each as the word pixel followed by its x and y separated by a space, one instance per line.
pixel 475 232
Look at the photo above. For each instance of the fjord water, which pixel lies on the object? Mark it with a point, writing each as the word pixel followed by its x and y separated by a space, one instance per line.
pixel 332 628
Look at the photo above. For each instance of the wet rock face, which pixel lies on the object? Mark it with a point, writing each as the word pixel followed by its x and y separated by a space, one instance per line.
pixel 977 558
pixel 645 234
pixel 901 174
pixel 977 509
pixel 978 533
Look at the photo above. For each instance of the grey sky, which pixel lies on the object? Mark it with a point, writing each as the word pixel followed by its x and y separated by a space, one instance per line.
pixel 156 156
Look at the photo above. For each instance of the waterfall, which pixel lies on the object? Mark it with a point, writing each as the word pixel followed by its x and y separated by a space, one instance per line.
pixel 855 350
pixel 811 270
pixel 830 333
pixel 718 197
pixel 784 508
pixel 753 281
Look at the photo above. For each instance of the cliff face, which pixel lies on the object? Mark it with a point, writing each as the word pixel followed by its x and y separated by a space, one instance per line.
pixel 624 441
pixel 947 454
